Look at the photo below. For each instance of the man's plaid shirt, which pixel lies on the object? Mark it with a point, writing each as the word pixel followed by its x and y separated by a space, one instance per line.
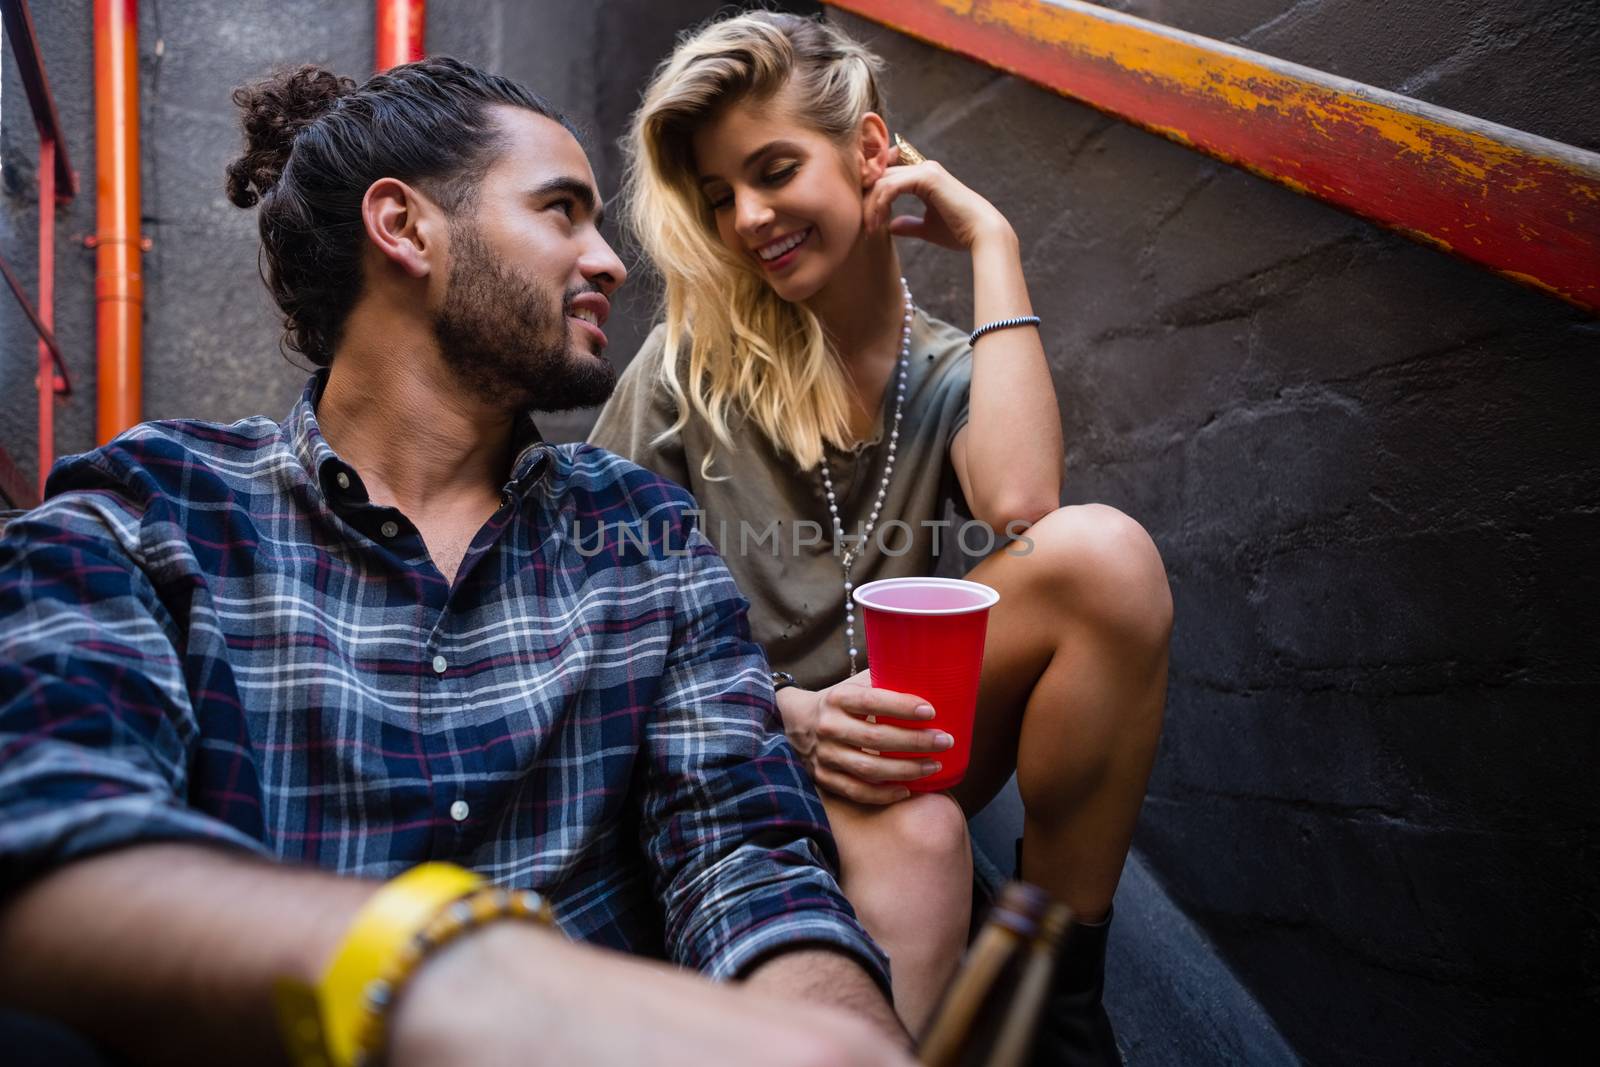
pixel 208 633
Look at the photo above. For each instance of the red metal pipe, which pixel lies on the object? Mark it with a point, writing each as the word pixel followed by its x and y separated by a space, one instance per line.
pixel 49 381
pixel 30 69
pixel 119 285
pixel 57 185
pixel 399 37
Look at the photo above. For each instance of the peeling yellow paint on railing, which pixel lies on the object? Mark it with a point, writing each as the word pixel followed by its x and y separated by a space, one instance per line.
pixel 1524 206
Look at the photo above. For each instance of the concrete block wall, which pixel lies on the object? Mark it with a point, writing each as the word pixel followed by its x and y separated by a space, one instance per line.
pixel 1374 474
pixel 1372 470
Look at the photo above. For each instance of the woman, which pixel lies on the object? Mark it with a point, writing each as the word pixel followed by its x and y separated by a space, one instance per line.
pixel 797 391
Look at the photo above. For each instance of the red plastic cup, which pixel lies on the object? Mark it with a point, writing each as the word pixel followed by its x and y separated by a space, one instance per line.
pixel 925 637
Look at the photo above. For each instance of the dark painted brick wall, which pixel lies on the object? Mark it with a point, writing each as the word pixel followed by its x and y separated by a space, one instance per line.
pixel 1373 471
pixel 1374 474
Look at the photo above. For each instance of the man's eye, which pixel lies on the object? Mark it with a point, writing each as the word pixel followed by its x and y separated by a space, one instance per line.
pixel 566 206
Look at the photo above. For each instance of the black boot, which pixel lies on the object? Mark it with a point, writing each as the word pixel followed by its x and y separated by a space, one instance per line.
pixel 1075 1031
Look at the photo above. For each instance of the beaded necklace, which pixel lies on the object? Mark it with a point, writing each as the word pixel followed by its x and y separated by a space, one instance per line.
pixel 849 556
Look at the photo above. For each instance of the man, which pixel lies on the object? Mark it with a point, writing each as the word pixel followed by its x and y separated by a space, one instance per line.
pixel 247 670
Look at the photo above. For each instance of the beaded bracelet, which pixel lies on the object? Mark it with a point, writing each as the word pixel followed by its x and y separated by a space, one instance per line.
pixel 471 912
pixel 340 1021
pixel 319 1020
pixel 1002 324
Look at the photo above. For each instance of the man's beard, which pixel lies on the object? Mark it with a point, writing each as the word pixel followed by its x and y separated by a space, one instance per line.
pixel 508 341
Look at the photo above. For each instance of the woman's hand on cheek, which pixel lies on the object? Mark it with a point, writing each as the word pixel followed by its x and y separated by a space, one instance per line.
pixel 845 757
pixel 954 216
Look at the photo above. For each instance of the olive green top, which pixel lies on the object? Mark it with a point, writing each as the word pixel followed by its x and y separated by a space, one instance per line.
pixel 770 519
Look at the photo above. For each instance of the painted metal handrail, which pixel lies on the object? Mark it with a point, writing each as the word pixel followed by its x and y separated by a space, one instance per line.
pixel 58 184
pixel 47 336
pixel 1523 206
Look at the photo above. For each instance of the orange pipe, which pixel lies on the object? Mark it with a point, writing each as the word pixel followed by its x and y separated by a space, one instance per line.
pixel 399 36
pixel 119 285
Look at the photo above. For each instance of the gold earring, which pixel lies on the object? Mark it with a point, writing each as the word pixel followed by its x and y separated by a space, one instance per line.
pixel 909 156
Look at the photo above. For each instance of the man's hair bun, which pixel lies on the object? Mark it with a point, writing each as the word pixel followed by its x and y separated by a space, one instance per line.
pixel 275 110
pixel 315 143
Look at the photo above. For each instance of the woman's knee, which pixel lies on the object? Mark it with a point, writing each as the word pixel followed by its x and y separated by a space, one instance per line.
pixel 1102 566
pixel 919 875
pixel 928 831
pixel 922 840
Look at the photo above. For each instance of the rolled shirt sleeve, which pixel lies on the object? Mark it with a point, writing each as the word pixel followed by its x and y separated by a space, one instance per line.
pixel 736 835
pixel 97 728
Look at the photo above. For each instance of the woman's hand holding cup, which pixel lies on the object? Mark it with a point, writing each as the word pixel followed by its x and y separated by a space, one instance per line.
pixel 833 732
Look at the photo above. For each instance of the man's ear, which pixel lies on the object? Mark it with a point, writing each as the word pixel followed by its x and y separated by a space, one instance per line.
pixel 875 145
pixel 403 225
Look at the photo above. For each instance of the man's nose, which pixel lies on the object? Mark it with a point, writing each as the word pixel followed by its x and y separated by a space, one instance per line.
pixel 601 266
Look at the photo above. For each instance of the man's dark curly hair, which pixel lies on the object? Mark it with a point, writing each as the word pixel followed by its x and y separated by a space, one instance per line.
pixel 314 144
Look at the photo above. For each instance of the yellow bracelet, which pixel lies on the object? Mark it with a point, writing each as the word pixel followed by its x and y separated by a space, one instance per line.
pixel 470 912
pixel 379 932
pixel 320 1024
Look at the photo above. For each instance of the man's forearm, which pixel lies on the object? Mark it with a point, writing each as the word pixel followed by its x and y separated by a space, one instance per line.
pixel 822 976
pixel 167 952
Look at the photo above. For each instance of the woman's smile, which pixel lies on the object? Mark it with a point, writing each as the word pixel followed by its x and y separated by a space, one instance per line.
pixel 780 253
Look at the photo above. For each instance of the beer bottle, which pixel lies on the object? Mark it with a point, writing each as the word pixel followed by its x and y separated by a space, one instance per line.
pixel 991 1012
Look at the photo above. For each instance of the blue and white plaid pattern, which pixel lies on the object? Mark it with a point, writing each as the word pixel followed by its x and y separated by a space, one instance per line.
pixel 209 633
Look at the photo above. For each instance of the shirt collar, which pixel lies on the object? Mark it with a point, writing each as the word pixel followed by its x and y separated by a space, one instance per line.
pixel 532 454
pixel 528 445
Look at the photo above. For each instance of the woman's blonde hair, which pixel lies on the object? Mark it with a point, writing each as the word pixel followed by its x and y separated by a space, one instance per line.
pixel 732 344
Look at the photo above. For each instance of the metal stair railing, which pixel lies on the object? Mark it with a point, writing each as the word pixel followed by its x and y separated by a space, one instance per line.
pixel 58 184
pixel 1523 206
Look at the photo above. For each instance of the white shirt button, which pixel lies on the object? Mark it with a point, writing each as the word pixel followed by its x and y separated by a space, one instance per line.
pixel 439 664
pixel 388 529
pixel 459 811
pixel 343 479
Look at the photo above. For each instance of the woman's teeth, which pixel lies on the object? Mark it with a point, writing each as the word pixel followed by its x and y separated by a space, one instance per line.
pixel 778 248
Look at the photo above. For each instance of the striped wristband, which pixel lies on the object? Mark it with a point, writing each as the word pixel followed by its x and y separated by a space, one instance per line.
pixel 1001 324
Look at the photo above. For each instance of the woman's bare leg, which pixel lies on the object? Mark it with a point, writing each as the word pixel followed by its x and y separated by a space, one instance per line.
pixel 907 870
pixel 1074 682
